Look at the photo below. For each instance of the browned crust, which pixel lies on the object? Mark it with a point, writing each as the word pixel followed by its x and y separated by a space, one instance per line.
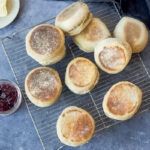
pixel 92 32
pixel 117 104
pixel 51 95
pixel 76 128
pixel 36 29
pixel 122 55
pixel 80 72
pixel 132 32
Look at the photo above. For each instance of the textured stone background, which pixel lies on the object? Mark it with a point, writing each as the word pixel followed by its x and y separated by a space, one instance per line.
pixel 17 131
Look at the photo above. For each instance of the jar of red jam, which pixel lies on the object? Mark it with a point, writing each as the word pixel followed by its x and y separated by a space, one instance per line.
pixel 10 97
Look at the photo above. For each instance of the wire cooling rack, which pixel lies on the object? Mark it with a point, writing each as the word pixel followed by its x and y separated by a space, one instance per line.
pixel 44 119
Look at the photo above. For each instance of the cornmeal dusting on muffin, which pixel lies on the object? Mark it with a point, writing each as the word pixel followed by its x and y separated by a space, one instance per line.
pixel 112 57
pixel 45 40
pixel 42 84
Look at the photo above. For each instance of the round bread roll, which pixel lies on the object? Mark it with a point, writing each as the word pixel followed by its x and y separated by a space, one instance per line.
pixel 45 44
pixel 81 75
pixel 75 126
pixel 73 19
pixel 133 31
pixel 112 55
pixel 43 86
pixel 122 101
pixel 92 35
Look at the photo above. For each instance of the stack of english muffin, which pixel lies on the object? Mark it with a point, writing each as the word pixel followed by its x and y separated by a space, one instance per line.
pixel 45 44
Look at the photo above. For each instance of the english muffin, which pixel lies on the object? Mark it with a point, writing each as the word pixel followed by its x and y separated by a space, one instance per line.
pixel 81 75
pixel 122 101
pixel 45 44
pixel 112 55
pixel 75 126
pixel 43 86
pixel 92 35
pixel 73 19
pixel 134 32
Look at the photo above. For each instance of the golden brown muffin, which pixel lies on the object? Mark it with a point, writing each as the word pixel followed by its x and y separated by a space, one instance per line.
pixel 92 35
pixel 45 44
pixel 43 86
pixel 73 19
pixel 134 32
pixel 75 126
pixel 81 75
pixel 122 100
pixel 112 55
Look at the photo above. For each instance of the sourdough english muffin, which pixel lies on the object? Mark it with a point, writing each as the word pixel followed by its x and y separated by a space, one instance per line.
pixel 134 32
pixel 122 100
pixel 43 86
pixel 75 126
pixel 73 19
pixel 112 55
pixel 81 75
pixel 92 35
pixel 45 44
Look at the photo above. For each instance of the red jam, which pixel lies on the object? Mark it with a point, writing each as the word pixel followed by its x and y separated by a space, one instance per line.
pixel 8 97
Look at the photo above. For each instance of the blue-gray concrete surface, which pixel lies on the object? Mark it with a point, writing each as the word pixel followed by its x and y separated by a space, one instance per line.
pixel 17 131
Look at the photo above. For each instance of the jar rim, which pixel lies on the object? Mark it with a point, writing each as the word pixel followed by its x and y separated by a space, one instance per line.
pixel 19 98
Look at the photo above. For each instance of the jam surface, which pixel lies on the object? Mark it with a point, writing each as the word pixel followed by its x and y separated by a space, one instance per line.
pixel 8 97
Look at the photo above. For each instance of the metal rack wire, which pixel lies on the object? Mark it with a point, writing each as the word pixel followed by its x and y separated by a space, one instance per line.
pixel 44 119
